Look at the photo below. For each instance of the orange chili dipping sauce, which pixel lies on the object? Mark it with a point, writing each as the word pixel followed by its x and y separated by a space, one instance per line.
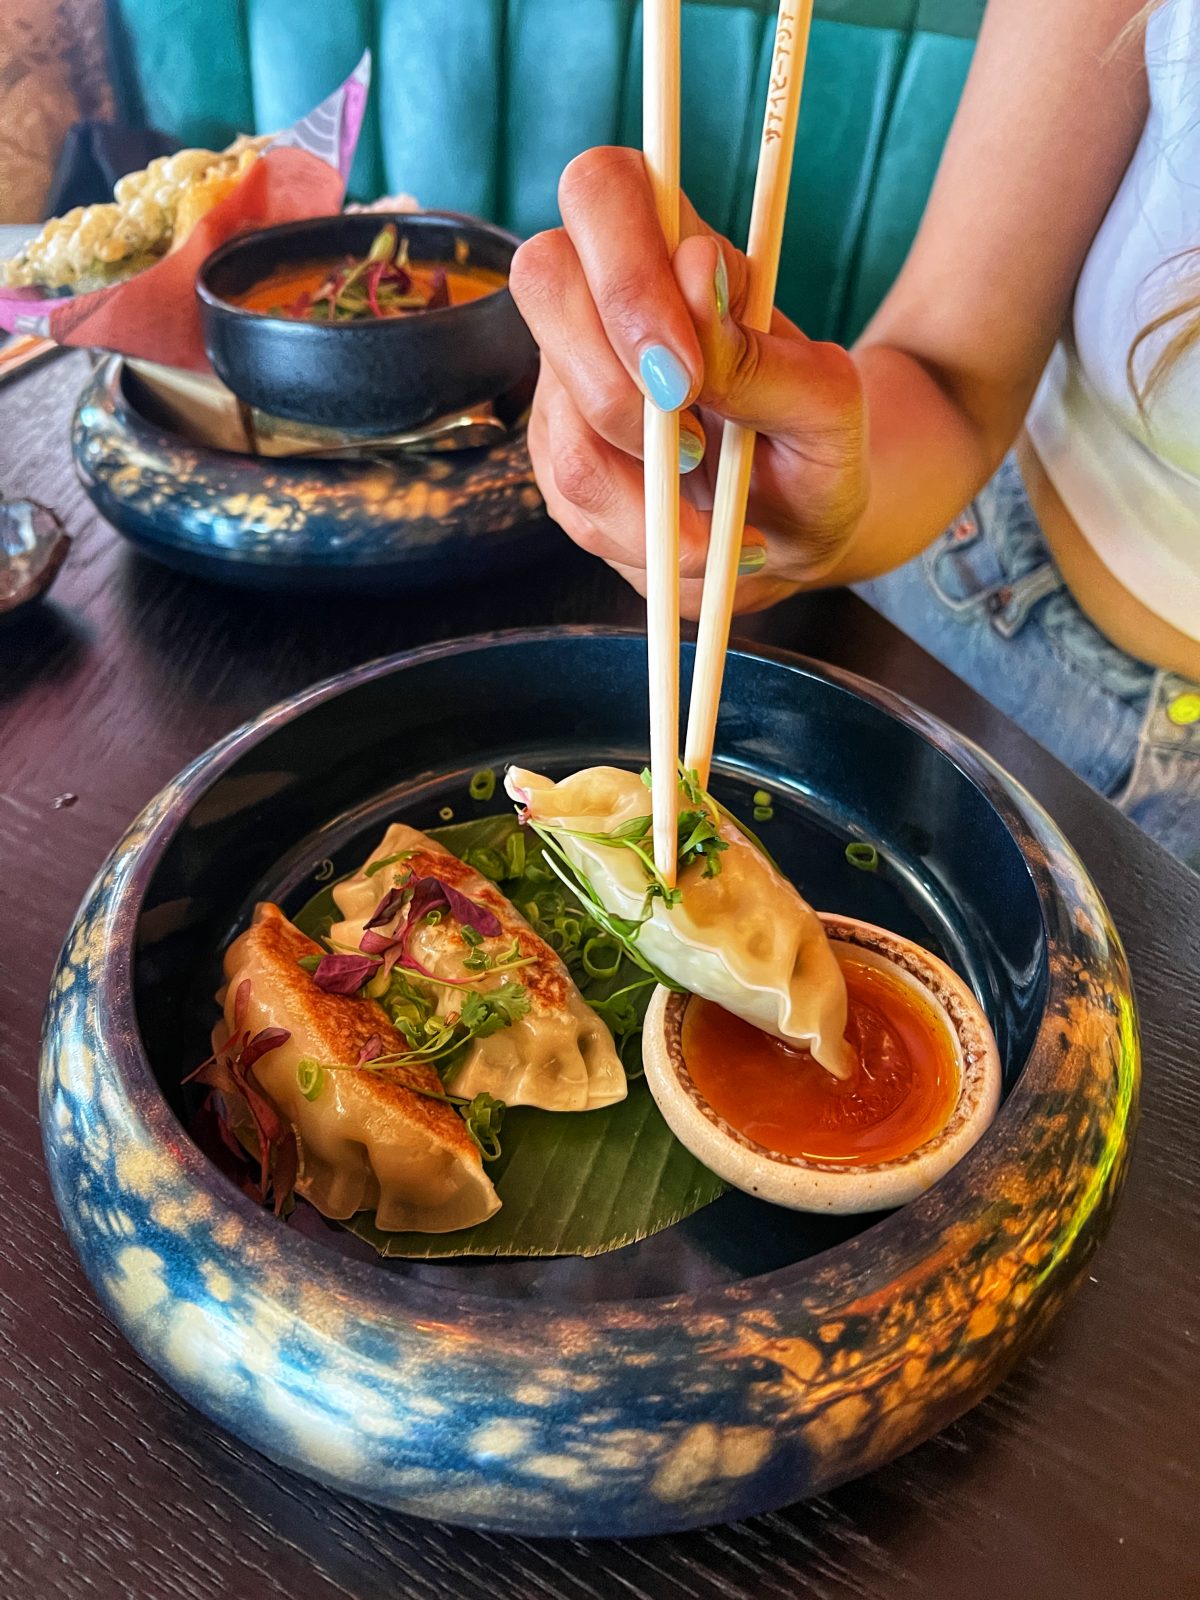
pixel 901 1093
pixel 284 286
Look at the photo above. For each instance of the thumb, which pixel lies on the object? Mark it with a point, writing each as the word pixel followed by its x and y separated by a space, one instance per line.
pixel 782 384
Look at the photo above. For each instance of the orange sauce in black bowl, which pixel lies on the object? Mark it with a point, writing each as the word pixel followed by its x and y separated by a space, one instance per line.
pixel 902 1091
pixel 274 294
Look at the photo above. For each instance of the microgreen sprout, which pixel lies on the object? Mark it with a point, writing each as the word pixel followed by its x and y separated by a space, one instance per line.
pixel 699 824
pixel 482 1115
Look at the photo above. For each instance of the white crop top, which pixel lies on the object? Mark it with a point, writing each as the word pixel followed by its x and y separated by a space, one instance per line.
pixel 1133 485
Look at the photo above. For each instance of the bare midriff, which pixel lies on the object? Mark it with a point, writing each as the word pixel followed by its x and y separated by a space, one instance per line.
pixel 1121 617
pixel 901 1093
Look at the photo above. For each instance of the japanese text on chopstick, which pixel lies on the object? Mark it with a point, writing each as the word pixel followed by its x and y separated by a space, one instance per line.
pixel 781 70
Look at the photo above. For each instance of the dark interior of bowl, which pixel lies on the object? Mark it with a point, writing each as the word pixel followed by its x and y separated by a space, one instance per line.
pixel 402 743
pixel 383 374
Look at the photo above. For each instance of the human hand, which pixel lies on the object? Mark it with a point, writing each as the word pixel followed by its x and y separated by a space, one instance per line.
pixel 617 319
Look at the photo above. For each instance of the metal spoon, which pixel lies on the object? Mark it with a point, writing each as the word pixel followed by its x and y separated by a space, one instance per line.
pixel 469 430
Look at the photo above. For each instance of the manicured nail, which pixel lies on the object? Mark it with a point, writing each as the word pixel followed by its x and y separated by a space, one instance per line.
pixel 753 559
pixel 691 450
pixel 664 376
pixel 721 285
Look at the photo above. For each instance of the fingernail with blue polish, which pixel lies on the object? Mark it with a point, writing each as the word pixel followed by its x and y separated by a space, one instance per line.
pixel 721 286
pixel 664 377
pixel 691 450
pixel 753 559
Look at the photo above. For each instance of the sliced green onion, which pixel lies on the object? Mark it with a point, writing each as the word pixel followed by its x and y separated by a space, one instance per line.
pixel 761 797
pixel 486 860
pixel 483 784
pixel 863 856
pixel 483 1116
pixel 597 947
pixel 387 861
pixel 514 852
pixel 764 813
pixel 310 1076
pixel 447 813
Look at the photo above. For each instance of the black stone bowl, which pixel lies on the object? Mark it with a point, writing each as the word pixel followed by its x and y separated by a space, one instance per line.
pixel 387 375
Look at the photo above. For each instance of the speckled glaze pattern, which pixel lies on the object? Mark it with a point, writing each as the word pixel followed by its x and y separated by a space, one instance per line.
pixel 278 524
pixel 552 1417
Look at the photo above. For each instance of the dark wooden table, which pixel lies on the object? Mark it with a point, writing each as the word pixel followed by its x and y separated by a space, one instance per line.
pixel 1076 1479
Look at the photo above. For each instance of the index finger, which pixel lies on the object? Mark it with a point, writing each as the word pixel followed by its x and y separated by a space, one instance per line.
pixel 608 211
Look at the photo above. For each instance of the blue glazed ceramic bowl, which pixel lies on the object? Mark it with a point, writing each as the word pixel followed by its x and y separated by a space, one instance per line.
pixel 366 526
pixel 740 1360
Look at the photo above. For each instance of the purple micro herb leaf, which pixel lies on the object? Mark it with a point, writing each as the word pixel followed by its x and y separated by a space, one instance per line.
pixel 471 914
pixel 230 1074
pixel 378 944
pixel 266 1039
pixel 370 1051
pixel 435 894
pixel 387 907
pixel 391 957
pixel 428 894
pixel 344 974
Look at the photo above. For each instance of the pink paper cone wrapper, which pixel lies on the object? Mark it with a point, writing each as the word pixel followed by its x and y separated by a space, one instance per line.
pixel 154 315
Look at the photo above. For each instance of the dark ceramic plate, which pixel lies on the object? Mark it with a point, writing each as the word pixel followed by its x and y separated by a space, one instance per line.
pixel 741 1359
pixel 385 375
pixel 368 526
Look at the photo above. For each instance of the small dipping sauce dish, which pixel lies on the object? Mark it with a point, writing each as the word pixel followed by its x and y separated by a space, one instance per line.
pixel 766 1117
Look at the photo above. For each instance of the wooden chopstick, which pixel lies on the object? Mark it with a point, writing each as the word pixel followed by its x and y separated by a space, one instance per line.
pixel 25 350
pixel 737 443
pixel 660 147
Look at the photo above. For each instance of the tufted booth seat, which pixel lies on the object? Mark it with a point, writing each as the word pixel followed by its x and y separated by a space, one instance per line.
pixel 477 105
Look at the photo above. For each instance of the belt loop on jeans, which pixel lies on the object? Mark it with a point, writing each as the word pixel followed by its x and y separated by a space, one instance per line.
pixel 1009 605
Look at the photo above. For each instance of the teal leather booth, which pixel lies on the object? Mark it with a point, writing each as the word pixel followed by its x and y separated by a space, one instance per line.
pixel 477 105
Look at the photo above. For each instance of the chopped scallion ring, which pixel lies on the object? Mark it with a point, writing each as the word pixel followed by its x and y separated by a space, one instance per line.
pixel 599 946
pixel 482 785
pixel 310 1077
pixel 863 856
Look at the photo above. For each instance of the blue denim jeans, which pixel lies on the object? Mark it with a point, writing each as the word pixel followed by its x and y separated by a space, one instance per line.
pixel 987 600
